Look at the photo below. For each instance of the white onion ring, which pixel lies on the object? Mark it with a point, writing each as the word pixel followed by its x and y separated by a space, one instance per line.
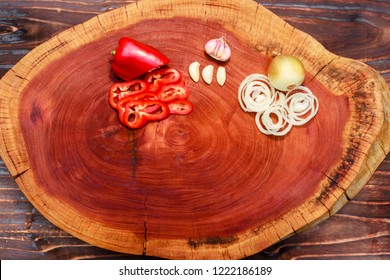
pixel 302 105
pixel 276 112
pixel 280 98
pixel 266 124
pixel 255 93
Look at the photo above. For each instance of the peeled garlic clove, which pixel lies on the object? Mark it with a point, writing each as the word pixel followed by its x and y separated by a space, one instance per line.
pixel 218 49
pixel 221 75
pixel 207 74
pixel 193 70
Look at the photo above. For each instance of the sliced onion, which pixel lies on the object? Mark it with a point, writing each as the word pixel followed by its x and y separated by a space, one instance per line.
pixel 255 93
pixel 302 105
pixel 276 112
pixel 274 121
pixel 280 98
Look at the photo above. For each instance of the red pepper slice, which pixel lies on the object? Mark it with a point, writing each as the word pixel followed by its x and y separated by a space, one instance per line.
pixel 132 119
pixel 163 76
pixel 119 91
pixel 180 107
pixel 171 92
pixel 133 59
pixel 139 96
pixel 137 113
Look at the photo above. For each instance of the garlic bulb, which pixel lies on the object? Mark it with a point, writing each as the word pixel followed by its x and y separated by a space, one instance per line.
pixel 218 49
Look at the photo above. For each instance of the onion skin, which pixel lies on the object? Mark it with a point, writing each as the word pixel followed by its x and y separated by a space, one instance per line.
pixel 286 72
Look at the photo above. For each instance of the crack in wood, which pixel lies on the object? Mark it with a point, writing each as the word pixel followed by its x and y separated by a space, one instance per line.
pixel 100 23
pixel 139 9
pixel 17 76
pixel 382 149
pixel 319 200
pixel 134 150
pixel 145 241
pixel 322 68
pixel 45 55
pixel 297 46
pixel 333 183
pixel 20 174
pixel 216 240
pixel 127 12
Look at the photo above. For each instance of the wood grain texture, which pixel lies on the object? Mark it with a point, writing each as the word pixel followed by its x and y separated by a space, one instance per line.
pixel 381 229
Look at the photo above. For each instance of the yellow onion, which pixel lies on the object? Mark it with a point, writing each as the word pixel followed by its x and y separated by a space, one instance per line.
pixel 286 72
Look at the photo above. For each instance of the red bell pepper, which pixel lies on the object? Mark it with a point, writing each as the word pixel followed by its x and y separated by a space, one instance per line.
pixel 159 94
pixel 171 92
pixel 119 91
pixel 133 59
pixel 148 96
pixel 180 107
pixel 138 113
pixel 160 77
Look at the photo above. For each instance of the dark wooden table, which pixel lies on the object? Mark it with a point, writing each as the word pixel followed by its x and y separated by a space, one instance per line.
pixel 358 29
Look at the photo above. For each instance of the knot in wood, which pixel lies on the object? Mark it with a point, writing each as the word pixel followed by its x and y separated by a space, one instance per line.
pixel 7 29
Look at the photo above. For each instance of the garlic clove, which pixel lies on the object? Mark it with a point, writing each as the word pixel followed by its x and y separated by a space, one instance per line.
pixel 207 74
pixel 193 70
pixel 218 49
pixel 221 75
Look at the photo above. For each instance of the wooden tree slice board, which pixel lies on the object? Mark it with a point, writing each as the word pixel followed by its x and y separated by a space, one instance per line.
pixel 207 185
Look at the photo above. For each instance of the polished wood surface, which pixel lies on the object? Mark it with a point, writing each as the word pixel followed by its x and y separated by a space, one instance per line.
pixel 359 230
